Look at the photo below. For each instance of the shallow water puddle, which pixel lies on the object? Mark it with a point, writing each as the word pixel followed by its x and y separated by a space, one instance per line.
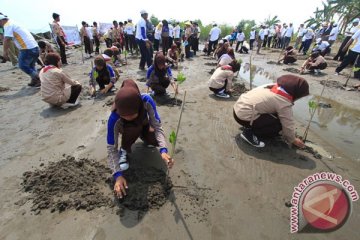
pixel 335 123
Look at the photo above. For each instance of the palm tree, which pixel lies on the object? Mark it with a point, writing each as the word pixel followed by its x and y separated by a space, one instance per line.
pixel 271 21
pixel 347 10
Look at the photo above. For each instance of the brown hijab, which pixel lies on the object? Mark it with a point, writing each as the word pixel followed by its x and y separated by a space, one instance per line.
pixel 128 100
pixel 295 86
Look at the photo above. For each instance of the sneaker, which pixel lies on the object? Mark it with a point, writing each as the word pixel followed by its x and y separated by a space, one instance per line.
pixel 69 105
pixel 123 163
pixel 222 95
pixel 249 137
pixel 336 74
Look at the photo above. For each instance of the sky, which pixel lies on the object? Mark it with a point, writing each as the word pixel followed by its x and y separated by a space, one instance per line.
pixel 36 14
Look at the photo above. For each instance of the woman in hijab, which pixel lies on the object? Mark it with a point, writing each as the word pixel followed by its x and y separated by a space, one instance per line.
pixel 159 76
pixel 267 110
pixel 172 56
pixel 289 55
pixel 134 115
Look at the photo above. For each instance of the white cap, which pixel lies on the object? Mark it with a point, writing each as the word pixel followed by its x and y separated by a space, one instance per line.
pixel 318 40
pixel 356 20
pixel 143 12
pixel 335 24
pixel 3 17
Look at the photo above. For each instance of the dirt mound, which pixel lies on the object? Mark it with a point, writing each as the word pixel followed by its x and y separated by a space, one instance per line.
pixel 239 89
pixel 292 70
pixel 68 184
pixel 164 100
pixel 4 89
pixel 332 84
pixel 147 189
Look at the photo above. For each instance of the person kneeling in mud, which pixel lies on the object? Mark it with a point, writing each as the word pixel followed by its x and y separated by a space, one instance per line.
pixel 221 80
pixel 133 115
pixel 289 55
pixel 159 76
pixel 103 74
pixel 314 64
pixel 267 110
pixel 172 56
pixel 57 88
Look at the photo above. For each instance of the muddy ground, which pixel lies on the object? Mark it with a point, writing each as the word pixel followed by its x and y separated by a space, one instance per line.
pixel 221 188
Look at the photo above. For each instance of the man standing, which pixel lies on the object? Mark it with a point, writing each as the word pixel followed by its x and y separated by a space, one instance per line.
pixel 349 32
pixel 60 37
pixel 288 35
pixel 96 37
pixel 333 34
pixel 214 36
pixel 300 35
pixel 129 36
pixel 177 32
pixel 142 41
pixel 25 42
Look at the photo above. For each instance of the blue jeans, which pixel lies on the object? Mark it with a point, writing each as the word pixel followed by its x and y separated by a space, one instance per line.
pixel 307 45
pixel 27 61
pixel 145 54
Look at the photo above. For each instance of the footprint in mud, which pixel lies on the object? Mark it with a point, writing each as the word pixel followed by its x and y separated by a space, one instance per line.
pixel 273 62
pixel 292 70
pixel 210 64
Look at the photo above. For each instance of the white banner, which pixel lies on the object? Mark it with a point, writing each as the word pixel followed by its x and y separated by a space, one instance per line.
pixel 72 35
pixel 104 27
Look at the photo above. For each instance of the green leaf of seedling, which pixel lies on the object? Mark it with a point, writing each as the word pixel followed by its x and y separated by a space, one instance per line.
pixel 172 137
pixel 355 69
pixel 180 78
pixel 312 104
pixel 125 53
pixel 239 61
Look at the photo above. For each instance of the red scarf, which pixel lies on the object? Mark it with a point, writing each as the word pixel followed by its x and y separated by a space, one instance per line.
pixel 47 68
pixel 275 89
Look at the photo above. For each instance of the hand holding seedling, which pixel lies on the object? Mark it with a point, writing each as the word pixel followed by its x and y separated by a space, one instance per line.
pixel 168 160
pixel 120 187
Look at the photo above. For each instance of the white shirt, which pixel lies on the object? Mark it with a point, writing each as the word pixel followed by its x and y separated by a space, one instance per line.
pixel 89 32
pixel 309 34
pixel 334 33
pixel 129 29
pixel 289 32
pixel 352 30
pixel 177 31
pixel 22 37
pixel 300 32
pixel 227 37
pixel 214 34
pixel 262 34
pixel 240 37
pixel 272 32
pixel 252 34
pixel 141 24
pixel 171 31
pixel 158 33
pixel 323 45
pixel 356 38
pixel 266 31
pixel 283 31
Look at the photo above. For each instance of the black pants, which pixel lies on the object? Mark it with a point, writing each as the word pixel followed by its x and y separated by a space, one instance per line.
pixel 286 42
pixel 195 45
pixel 265 126
pixel 340 54
pixel 62 49
pixel 289 59
pixel 265 40
pixel 301 46
pixel 238 44
pixel 130 133
pixel 108 42
pixel 130 43
pixel 97 44
pixel 156 44
pixel 269 41
pixel 321 66
pixel 217 90
pixel 87 45
pixel 244 49
pixel 349 59
pixel 75 92
pixel 165 44
pixel 171 41
pixel 252 43
pixel 307 45
pixel 212 46
pixel 145 54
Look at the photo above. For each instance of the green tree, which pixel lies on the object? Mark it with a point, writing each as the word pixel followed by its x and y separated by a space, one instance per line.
pixel 245 26
pixel 154 20
pixel 271 21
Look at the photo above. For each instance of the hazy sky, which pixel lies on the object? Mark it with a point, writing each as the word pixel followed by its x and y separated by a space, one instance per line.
pixel 36 14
